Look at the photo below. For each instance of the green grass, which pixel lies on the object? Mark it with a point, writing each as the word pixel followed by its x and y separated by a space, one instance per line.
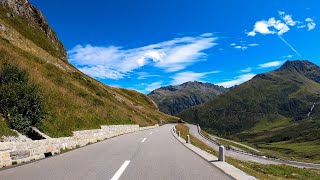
pixel 184 131
pixel 5 130
pixel 265 124
pixel 260 171
pixel 307 151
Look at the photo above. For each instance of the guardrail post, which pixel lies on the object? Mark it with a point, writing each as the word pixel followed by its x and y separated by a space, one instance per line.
pixel 188 139
pixel 221 153
pixel 198 128
pixel 179 133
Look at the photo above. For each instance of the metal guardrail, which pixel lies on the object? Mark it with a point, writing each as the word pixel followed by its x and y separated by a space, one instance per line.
pixel 235 150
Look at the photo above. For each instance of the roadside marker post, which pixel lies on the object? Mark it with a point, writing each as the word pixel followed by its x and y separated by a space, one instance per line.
pixel 179 133
pixel 188 139
pixel 221 153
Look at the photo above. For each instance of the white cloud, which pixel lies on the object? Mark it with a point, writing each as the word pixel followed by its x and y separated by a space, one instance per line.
pixel 288 56
pixel 116 62
pixel 273 26
pixel 183 77
pixel 301 26
pixel 248 69
pixel 241 47
pixel 271 64
pixel 253 44
pixel 311 24
pixel 279 27
pixel 145 75
pixel 238 80
pixel 289 21
pixel 153 86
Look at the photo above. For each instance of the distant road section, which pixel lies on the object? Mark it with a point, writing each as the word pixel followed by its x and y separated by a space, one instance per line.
pixel 151 154
pixel 248 157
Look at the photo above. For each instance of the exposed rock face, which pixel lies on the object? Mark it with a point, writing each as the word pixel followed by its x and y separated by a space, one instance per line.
pixel 304 67
pixel 174 99
pixel 27 11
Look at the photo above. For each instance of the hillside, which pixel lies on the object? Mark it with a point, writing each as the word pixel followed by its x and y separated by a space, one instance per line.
pixel 73 100
pixel 271 111
pixel 174 99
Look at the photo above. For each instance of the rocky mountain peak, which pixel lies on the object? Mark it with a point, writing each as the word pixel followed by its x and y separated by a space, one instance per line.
pixel 26 10
pixel 299 66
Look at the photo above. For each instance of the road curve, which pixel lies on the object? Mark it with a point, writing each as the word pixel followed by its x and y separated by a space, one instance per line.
pixel 150 154
pixel 248 157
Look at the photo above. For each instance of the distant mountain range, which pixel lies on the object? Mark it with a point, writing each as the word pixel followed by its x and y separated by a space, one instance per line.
pixel 174 99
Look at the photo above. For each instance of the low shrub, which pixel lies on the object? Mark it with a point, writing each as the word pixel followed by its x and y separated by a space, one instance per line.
pixel 21 102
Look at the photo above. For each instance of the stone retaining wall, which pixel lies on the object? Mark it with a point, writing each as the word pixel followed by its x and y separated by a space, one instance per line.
pixel 19 152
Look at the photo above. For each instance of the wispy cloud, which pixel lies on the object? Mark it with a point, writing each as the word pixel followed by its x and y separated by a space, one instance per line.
pixel 242 45
pixel 280 27
pixel 311 24
pixel 238 80
pixel 271 64
pixel 183 77
pixel 153 86
pixel 287 56
pixel 248 69
pixel 145 75
pixel 114 62
pixel 253 44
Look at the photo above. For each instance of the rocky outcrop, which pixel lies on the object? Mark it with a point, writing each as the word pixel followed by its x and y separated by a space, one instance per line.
pixel 174 99
pixel 34 16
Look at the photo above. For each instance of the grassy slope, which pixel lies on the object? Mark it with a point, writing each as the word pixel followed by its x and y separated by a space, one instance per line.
pixel 259 171
pixel 4 130
pixel 74 100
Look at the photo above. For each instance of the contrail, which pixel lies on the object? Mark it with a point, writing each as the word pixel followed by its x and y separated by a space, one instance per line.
pixel 293 49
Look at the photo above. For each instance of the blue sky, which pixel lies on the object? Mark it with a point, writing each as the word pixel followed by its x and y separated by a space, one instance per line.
pixel 145 44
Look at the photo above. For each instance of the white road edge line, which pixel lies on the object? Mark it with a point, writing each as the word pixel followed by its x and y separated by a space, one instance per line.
pixel 151 132
pixel 143 140
pixel 120 171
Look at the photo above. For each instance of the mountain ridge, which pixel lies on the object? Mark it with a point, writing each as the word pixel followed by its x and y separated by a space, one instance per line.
pixel 173 99
pixel 34 17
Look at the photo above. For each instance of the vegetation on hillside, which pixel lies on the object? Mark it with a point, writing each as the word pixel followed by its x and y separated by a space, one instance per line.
pixel 21 103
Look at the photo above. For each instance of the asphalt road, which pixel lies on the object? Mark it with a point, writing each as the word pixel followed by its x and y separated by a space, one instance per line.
pixel 247 157
pixel 151 154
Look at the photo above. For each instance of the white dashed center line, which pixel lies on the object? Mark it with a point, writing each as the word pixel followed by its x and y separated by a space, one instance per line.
pixel 120 171
pixel 143 140
pixel 151 132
